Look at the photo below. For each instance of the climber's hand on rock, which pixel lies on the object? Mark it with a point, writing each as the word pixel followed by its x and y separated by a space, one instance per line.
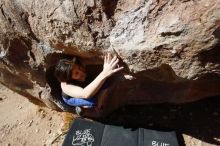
pixel 111 65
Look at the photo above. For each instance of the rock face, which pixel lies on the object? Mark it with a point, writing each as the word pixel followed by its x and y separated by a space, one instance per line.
pixel 170 48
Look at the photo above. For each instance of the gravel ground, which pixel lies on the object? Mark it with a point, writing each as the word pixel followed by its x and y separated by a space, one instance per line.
pixel 25 124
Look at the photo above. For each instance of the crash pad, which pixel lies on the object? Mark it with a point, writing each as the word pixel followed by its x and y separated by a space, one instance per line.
pixel 90 133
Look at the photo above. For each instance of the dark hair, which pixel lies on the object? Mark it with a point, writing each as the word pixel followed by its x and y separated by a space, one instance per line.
pixel 63 69
pixel 63 72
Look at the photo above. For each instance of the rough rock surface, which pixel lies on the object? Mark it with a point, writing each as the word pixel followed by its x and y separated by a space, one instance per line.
pixel 170 47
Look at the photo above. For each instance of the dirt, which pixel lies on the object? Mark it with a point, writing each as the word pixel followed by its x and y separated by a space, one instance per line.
pixel 25 124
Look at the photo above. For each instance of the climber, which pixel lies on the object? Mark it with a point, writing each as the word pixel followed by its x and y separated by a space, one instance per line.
pixel 78 89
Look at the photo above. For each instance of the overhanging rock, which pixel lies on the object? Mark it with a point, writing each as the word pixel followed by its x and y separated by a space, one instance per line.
pixel 170 48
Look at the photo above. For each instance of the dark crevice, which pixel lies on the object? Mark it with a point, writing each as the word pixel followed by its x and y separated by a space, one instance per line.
pixel 75 10
pixel 88 11
pixel 9 20
pixel 185 0
pixel 89 29
pixel 53 82
pixel 177 33
pixel 4 15
pixel 95 36
pixel 40 93
pixel 17 51
pixel 159 47
pixel 216 33
pixel 211 55
pixel 61 2
pixel 134 55
pixel 209 77
pixel 24 17
pixel 109 7
pixel 32 55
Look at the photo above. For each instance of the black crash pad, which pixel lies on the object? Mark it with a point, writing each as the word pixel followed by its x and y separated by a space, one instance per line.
pixel 87 133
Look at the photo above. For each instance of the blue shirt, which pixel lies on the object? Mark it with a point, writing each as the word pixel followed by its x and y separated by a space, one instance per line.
pixel 91 102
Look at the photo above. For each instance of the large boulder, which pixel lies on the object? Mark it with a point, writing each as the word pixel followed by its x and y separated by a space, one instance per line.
pixel 170 48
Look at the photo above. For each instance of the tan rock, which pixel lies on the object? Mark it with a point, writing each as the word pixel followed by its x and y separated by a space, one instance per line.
pixel 170 48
